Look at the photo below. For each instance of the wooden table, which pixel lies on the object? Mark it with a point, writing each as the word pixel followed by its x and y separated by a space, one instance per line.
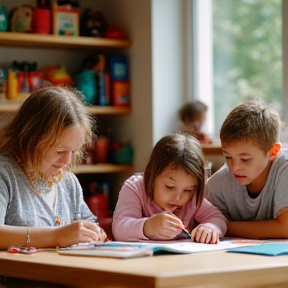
pixel 205 269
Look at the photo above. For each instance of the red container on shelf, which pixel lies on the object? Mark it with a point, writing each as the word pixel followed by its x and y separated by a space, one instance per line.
pixel 101 149
pixel 41 23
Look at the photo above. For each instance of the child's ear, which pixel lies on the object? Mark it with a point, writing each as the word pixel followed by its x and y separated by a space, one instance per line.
pixel 274 151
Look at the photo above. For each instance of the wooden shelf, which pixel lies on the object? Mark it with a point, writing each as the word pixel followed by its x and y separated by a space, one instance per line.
pixel 102 168
pixel 108 110
pixel 59 42
pixel 13 106
pixel 212 149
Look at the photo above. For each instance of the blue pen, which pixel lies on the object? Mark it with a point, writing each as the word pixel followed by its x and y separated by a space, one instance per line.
pixel 185 234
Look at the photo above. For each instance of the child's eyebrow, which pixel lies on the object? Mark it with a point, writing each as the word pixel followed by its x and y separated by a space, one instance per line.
pixel 245 154
pixel 191 187
pixel 61 148
pixel 240 154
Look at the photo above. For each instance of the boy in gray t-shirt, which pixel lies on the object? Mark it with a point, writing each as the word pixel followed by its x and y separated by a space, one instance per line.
pixel 251 189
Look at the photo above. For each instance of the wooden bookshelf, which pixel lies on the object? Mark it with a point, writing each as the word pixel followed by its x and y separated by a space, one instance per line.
pixel 102 168
pixel 59 42
pixel 13 106
pixel 19 40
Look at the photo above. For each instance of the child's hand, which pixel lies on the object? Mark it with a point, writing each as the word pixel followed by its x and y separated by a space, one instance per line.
pixel 79 231
pixel 165 225
pixel 205 234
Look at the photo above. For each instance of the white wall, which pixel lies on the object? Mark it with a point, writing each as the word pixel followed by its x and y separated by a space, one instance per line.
pixel 168 65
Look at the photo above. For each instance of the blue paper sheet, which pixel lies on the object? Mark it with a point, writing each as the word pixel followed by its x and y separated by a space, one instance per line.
pixel 269 249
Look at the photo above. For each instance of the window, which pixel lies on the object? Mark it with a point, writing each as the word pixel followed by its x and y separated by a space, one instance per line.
pixel 237 55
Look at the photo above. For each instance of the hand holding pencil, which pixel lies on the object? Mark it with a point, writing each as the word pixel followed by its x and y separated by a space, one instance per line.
pixel 164 225
pixel 202 233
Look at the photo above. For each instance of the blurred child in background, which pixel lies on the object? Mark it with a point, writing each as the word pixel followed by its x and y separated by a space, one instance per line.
pixel 193 116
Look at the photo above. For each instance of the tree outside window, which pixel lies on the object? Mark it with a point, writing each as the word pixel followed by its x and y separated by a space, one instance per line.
pixel 246 49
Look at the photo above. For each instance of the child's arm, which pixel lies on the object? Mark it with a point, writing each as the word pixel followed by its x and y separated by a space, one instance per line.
pixel 129 224
pixel 277 228
pixel 128 219
pixel 45 237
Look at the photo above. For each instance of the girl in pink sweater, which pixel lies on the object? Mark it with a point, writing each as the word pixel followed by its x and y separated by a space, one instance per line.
pixel 168 197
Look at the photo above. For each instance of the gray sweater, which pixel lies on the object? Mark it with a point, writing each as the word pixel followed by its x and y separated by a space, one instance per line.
pixel 21 206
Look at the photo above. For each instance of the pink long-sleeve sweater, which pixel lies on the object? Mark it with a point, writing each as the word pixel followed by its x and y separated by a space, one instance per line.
pixel 134 208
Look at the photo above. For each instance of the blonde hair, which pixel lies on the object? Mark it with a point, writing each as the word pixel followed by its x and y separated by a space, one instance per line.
pixel 181 150
pixel 39 122
pixel 253 120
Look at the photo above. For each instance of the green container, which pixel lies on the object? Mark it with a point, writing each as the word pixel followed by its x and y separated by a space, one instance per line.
pixel 86 83
pixel 124 156
pixel 3 19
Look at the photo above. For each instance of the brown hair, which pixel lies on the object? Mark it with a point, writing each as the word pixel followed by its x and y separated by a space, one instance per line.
pixel 192 111
pixel 252 120
pixel 181 150
pixel 42 118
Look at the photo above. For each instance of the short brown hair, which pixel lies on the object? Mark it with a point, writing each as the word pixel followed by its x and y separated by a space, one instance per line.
pixel 41 119
pixel 181 150
pixel 192 111
pixel 252 120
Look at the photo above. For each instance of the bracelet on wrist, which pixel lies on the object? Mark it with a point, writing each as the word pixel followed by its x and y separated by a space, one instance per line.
pixel 28 238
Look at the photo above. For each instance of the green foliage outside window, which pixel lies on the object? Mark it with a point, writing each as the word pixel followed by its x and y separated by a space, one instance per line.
pixel 247 53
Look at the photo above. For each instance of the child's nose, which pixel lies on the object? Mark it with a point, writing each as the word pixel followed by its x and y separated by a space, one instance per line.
pixel 235 166
pixel 176 196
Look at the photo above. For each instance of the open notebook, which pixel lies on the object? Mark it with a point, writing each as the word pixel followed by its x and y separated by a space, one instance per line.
pixel 139 249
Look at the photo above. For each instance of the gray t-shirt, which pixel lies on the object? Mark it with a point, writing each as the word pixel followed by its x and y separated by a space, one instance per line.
pixel 21 206
pixel 233 199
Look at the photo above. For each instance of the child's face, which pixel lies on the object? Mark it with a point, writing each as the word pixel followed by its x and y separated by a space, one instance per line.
pixel 174 188
pixel 61 153
pixel 248 163
pixel 194 125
